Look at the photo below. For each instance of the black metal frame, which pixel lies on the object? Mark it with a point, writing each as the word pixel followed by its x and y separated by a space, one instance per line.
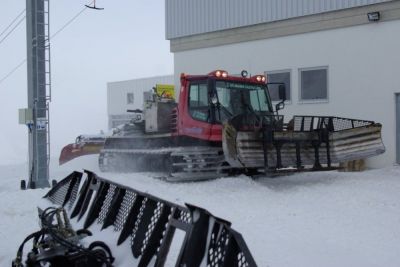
pixel 151 222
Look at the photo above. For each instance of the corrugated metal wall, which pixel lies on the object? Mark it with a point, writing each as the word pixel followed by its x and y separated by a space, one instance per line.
pixel 189 17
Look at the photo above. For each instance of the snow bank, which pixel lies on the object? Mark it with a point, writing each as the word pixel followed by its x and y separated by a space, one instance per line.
pixel 309 219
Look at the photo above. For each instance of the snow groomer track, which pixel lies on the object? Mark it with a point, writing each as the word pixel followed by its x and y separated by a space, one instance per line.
pixel 150 223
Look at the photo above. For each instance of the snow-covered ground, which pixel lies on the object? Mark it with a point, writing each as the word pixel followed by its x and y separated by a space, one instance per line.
pixel 308 219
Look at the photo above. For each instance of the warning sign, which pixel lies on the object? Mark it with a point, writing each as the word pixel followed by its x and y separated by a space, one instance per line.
pixel 41 123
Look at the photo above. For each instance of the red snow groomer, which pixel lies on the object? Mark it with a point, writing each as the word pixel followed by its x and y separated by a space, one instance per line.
pixel 226 124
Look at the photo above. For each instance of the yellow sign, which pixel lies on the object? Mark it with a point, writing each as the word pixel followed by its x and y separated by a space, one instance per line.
pixel 165 90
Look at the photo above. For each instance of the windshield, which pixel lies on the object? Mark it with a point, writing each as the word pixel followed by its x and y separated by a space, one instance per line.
pixel 237 98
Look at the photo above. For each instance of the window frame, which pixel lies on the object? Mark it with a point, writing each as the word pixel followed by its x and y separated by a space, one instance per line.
pixel 313 101
pixel 198 83
pixel 288 101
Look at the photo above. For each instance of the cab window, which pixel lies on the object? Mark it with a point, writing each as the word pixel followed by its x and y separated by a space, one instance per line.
pixel 198 101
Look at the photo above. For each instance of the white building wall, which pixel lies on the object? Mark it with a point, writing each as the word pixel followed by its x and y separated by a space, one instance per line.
pixel 117 94
pixel 363 71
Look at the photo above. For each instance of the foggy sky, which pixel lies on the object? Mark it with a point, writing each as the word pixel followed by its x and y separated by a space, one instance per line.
pixel 124 41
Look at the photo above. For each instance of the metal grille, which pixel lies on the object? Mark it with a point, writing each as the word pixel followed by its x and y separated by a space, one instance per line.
pixel 340 124
pixel 74 195
pixel 303 124
pixel 106 204
pixel 332 124
pixel 242 262
pixel 137 223
pixel 360 123
pixel 151 222
pixel 216 252
pixel 184 216
pixel 60 196
pixel 123 212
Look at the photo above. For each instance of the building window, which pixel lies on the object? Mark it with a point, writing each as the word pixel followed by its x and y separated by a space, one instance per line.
pixel 130 98
pixel 282 76
pixel 314 83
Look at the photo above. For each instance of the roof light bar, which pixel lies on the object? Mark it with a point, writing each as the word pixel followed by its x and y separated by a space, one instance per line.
pixel 219 73
pixel 259 78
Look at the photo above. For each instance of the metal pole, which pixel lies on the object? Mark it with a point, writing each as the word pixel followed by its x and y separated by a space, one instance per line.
pixel 38 63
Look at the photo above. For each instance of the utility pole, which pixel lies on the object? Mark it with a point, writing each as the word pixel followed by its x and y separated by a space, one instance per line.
pixel 36 116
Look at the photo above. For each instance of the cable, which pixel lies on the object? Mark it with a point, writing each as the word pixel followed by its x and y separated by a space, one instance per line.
pixel 12 71
pixel 47 218
pixel 19 22
pixel 52 36
pixel 12 22
pixel 69 22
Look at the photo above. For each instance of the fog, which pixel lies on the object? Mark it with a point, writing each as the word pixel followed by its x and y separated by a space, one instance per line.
pixel 124 41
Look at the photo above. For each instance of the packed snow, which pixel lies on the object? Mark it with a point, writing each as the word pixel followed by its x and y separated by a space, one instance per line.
pixel 308 219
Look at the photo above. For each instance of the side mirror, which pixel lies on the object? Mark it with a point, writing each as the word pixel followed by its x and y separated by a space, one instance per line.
pixel 282 92
pixel 282 97
pixel 279 106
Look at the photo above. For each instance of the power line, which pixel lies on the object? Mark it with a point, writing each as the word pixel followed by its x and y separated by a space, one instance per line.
pixel 12 22
pixel 12 71
pixel 19 22
pixel 69 22
pixel 52 36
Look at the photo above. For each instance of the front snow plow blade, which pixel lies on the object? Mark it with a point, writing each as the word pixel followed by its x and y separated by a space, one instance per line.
pixel 307 141
pixel 158 233
pixel 84 145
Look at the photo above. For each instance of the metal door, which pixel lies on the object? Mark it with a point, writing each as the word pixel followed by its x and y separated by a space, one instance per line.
pixel 398 128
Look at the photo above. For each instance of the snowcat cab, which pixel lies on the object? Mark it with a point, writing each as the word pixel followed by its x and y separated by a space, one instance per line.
pixel 208 102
